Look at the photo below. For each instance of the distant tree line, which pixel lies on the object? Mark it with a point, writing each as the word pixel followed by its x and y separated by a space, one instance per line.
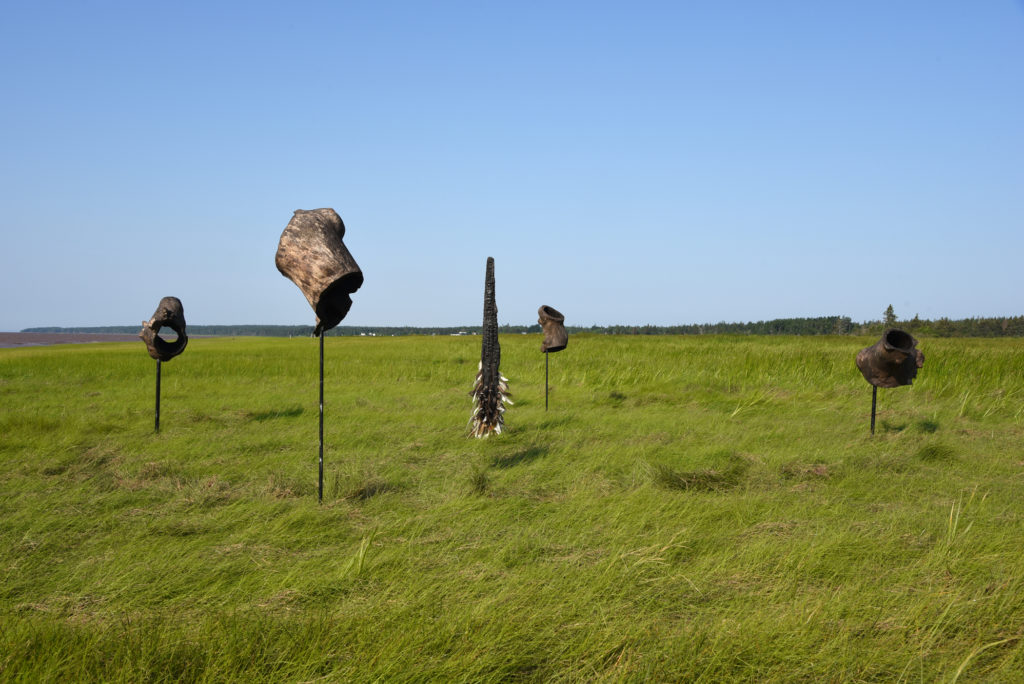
pixel 1006 326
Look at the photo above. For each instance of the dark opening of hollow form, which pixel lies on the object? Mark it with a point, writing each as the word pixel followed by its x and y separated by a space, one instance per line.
pixel 168 348
pixel 335 301
pixel 899 339
pixel 553 313
pixel 166 337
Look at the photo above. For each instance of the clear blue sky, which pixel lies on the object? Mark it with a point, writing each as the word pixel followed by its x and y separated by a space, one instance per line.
pixel 641 162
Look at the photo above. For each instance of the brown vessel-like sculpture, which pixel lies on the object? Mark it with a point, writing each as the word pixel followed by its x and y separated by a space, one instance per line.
pixel 169 314
pixel 490 393
pixel 312 255
pixel 892 361
pixel 553 323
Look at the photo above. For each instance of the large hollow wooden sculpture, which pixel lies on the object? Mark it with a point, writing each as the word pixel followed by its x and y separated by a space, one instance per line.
pixel 169 314
pixel 312 255
pixel 553 323
pixel 490 393
pixel 891 362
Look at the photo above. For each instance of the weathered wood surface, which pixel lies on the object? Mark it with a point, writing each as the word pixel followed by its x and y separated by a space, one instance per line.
pixel 892 361
pixel 169 314
pixel 553 323
pixel 312 255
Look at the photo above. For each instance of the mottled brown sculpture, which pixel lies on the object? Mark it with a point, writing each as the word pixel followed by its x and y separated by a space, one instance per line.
pixel 170 314
pixel 312 255
pixel 892 361
pixel 553 323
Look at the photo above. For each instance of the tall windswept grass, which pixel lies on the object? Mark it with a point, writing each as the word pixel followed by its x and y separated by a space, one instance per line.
pixel 688 509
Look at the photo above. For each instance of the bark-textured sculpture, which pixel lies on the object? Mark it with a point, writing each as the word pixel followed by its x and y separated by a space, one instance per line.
pixel 892 361
pixel 312 255
pixel 171 314
pixel 490 393
pixel 553 323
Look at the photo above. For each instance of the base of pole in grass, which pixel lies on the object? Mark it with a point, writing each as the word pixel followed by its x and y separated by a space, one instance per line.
pixel 156 426
pixel 874 403
pixel 320 478
pixel 545 381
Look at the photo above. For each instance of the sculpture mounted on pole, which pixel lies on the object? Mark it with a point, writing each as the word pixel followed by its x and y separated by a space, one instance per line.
pixel 553 323
pixel 555 338
pixel 891 362
pixel 169 314
pixel 490 392
pixel 312 255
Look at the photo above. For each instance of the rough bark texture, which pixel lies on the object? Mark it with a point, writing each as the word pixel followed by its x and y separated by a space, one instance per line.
pixel 892 361
pixel 312 255
pixel 553 322
pixel 171 314
pixel 490 393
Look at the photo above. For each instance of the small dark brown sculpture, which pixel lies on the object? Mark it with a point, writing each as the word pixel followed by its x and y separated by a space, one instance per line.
pixel 312 255
pixel 171 314
pixel 892 361
pixel 555 337
pixel 490 391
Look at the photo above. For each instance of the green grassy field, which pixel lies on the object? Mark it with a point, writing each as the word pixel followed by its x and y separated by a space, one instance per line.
pixel 690 508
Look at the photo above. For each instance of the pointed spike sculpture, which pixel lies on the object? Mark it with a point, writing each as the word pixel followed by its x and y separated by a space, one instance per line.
pixel 490 393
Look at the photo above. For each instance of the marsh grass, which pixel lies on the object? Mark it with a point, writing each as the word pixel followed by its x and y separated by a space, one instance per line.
pixel 690 508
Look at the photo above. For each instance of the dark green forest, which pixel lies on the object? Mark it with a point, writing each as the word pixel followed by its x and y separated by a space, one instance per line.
pixel 1004 326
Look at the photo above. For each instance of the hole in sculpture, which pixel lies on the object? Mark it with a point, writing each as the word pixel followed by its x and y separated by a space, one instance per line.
pixel 899 339
pixel 166 335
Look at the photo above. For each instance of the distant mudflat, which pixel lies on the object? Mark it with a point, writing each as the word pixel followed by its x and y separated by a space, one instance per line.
pixel 36 339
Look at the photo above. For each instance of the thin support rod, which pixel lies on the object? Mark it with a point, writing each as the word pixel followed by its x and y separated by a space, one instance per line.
pixel 874 403
pixel 320 479
pixel 545 380
pixel 157 424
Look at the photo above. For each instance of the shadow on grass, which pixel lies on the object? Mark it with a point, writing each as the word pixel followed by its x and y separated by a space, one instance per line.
pixel 615 399
pixel 261 416
pixel 936 452
pixel 927 426
pixel 371 489
pixel 555 422
pixel 522 456
pixel 887 426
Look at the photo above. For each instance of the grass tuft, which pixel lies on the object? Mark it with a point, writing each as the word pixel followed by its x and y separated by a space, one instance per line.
pixel 728 475
pixel 479 482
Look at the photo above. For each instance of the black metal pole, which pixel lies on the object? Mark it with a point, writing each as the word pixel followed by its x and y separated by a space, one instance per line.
pixel 874 402
pixel 320 480
pixel 157 426
pixel 545 380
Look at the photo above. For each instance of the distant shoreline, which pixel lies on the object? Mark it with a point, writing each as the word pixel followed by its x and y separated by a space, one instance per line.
pixel 998 326
pixel 21 339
